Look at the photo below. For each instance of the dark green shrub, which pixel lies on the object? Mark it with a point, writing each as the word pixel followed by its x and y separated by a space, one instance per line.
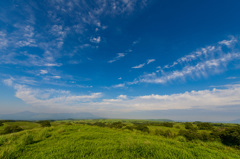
pixel 194 135
pixel 205 126
pixel 159 132
pixel 177 127
pixel 197 122
pixel 1 123
pixel 80 122
pixel 142 128
pixel 100 124
pixel 11 129
pixel 167 124
pixel 216 134
pixel 27 139
pixel 3 140
pixel 231 136
pixel 218 124
pixel 68 123
pixel 44 133
pixel 169 134
pixel 87 123
pixel 117 125
pixel 129 128
pixel 189 126
pixel 205 136
pixel 189 134
pixel 45 123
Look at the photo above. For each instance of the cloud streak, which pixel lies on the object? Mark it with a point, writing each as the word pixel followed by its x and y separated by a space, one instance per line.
pixel 139 66
pixel 202 53
pixel 150 61
pixel 202 99
pixel 61 99
pixel 118 57
pixel 200 69
pixel 48 97
pixel 143 64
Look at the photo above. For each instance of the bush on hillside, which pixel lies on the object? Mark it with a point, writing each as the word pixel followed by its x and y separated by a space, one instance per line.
pixel 231 136
pixel 68 123
pixel 177 127
pixel 169 134
pixel 189 134
pixel 142 128
pixel 129 128
pixel 11 129
pixel 190 126
pixel 194 135
pixel 117 125
pixel 1 123
pixel 101 124
pixel 27 139
pixel 167 124
pixel 205 126
pixel 159 132
pixel 3 139
pixel 45 123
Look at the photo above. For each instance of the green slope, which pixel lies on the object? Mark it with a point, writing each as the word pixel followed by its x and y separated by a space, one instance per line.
pixel 83 141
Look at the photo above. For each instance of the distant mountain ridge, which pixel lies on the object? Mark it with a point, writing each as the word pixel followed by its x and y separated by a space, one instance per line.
pixel 27 115
pixel 237 121
pixel 164 120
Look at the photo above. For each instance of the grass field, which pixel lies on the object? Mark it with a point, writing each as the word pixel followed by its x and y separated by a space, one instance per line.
pixel 70 139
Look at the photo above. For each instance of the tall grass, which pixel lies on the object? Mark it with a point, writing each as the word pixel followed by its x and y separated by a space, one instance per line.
pixel 94 142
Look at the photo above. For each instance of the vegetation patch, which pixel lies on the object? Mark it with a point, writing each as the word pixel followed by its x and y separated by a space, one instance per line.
pixel 120 139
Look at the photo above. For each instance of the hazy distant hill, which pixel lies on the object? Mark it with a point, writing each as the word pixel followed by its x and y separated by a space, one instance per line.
pixel 235 121
pixel 46 116
pixel 165 120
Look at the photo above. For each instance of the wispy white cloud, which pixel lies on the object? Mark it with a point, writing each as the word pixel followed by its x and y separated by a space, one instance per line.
pixel 121 55
pixel 230 42
pixel 118 57
pixel 209 99
pixel 121 85
pixel 49 97
pixel 25 36
pixel 202 99
pixel 43 72
pixel 143 64
pixel 84 46
pixel 56 77
pixel 231 78
pixel 125 6
pixel 201 63
pixel 139 66
pixel 200 69
pixel 150 61
pixel 8 82
pixel 203 53
pixel 60 33
pixel 206 52
pixel 135 42
pixel 21 80
pixel 3 40
pixel 122 96
pixel 82 15
pixel 28 36
pixel 95 39
pixel 53 64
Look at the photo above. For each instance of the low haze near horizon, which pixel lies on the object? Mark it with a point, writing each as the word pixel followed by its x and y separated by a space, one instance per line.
pixel 121 58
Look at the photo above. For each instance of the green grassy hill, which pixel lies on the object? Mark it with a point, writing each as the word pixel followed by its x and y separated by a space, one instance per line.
pixel 84 139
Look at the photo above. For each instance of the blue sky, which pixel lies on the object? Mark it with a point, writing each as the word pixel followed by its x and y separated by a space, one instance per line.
pixel 121 59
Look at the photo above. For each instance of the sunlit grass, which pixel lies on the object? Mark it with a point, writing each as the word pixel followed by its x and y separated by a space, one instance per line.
pixel 84 141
